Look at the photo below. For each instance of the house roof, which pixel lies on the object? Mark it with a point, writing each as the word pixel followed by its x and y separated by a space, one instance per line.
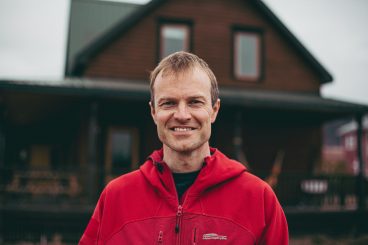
pixel 288 101
pixel 232 97
pixel 89 20
pixel 125 24
pixel 137 90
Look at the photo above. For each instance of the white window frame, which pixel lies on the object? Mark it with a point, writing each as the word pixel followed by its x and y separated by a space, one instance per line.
pixel 257 59
pixel 350 142
pixel 182 27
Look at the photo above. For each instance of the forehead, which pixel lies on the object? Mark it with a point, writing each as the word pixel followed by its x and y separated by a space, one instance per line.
pixel 188 79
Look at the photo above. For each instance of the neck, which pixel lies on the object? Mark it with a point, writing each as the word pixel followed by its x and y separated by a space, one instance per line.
pixel 184 162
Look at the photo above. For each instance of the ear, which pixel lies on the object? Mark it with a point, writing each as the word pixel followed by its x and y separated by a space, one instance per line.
pixel 215 110
pixel 153 112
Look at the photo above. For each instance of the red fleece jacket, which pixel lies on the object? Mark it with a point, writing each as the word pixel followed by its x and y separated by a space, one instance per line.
pixel 225 205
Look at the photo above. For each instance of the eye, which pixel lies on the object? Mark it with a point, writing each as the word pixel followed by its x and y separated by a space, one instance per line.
pixel 196 102
pixel 167 104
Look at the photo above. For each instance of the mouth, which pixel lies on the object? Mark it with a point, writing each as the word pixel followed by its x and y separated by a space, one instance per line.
pixel 182 129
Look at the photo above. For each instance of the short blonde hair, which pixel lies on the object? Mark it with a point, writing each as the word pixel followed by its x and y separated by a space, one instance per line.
pixel 179 62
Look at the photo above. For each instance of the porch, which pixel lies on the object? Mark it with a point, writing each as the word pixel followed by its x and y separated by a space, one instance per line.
pixel 67 130
pixel 36 204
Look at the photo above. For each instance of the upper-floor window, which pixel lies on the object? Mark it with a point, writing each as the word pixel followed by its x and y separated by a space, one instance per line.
pixel 247 55
pixel 173 38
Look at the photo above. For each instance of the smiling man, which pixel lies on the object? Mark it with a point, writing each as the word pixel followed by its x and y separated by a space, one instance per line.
pixel 186 192
pixel 183 111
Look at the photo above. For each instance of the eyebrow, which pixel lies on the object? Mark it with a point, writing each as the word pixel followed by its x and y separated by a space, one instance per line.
pixel 165 98
pixel 197 97
pixel 189 98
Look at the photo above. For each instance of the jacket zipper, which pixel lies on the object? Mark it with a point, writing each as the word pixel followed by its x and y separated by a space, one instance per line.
pixel 179 214
pixel 195 236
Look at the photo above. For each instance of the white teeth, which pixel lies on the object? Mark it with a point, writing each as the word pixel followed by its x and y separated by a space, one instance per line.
pixel 182 129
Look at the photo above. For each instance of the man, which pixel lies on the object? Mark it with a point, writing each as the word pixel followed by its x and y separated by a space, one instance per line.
pixel 187 192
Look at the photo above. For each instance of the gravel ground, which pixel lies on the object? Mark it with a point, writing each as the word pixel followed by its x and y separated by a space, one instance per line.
pixel 322 239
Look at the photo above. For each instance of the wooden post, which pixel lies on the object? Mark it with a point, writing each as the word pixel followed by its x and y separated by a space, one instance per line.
pixel 238 139
pixel 2 165
pixel 361 177
pixel 2 137
pixel 92 168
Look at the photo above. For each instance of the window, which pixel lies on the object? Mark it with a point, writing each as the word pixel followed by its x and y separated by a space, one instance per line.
pixel 40 156
pixel 350 142
pixel 122 152
pixel 173 38
pixel 247 55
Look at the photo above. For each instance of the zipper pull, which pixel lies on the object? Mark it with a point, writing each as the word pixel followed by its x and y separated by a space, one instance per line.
pixel 160 237
pixel 178 215
pixel 180 211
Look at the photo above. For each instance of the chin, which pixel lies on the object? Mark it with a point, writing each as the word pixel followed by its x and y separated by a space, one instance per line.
pixel 182 148
pixel 185 148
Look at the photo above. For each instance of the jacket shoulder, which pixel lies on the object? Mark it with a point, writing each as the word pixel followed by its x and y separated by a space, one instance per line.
pixel 124 181
pixel 250 182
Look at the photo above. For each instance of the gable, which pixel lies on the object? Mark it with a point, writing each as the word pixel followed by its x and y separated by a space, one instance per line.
pixel 89 20
pixel 131 51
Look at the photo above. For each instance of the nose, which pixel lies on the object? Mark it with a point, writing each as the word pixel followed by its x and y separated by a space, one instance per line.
pixel 182 113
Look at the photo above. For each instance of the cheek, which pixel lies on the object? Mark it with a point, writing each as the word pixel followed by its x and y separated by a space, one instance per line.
pixel 161 118
pixel 203 116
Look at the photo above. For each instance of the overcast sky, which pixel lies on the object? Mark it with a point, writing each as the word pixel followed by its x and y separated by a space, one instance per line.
pixel 33 35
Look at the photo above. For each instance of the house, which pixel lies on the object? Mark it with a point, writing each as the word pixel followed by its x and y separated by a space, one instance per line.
pixel 278 64
pixel 253 55
pixel 348 134
pixel 62 141
pixel 333 155
pixel 340 147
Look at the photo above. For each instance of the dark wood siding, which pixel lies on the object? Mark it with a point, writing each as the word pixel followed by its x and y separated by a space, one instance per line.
pixel 134 54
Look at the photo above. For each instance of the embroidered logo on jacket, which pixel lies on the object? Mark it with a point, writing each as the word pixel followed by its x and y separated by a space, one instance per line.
pixel 213 236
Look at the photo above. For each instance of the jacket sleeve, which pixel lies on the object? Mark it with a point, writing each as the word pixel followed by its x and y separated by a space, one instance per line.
pixel 276 229
pixel 91 233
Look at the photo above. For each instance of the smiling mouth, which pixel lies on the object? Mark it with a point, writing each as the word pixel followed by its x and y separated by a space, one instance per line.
pixel 178 129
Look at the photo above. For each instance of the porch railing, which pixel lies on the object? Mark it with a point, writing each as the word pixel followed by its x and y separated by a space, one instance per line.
pixel 319 192
pixel 21 187
pixel 62 198
pixel 296 190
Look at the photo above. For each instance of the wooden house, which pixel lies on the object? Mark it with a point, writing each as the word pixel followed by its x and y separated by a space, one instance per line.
pixel 264 73
pixel 349 134
pixel 62 141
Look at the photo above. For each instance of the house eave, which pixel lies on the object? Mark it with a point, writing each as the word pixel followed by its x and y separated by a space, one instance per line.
pixel 139 90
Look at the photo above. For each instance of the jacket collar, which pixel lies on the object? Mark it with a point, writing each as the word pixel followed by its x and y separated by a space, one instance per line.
pixel 217 168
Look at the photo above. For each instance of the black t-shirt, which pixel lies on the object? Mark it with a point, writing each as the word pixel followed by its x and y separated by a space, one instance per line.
pixel 183 181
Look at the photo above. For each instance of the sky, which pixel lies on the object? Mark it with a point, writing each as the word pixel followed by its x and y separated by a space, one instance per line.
pixel 33 40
